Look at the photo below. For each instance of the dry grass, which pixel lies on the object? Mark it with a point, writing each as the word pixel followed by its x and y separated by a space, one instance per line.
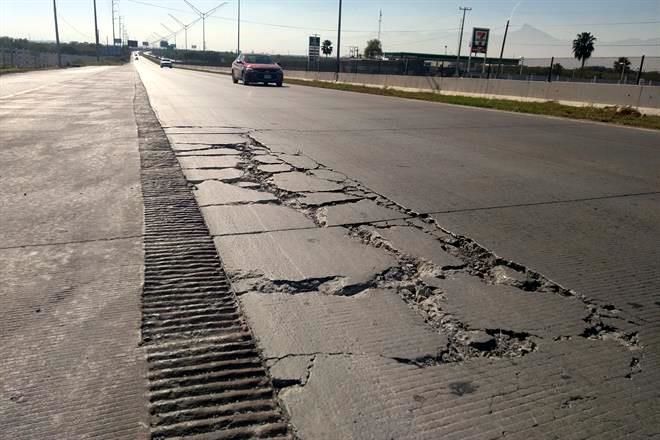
pixel 614 115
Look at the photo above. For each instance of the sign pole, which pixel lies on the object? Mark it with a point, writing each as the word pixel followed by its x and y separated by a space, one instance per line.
pixel 338 43
pixel 499 65
pixel 96 31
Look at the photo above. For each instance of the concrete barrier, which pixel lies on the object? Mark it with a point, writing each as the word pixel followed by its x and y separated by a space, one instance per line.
pixel 645 98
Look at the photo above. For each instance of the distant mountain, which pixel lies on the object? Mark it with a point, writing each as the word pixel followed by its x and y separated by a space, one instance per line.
pixel 531 42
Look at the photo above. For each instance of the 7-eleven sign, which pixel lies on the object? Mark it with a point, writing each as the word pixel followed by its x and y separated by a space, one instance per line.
pixel 480 40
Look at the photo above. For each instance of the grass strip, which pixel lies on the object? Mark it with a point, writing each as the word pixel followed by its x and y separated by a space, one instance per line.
pixel 614 115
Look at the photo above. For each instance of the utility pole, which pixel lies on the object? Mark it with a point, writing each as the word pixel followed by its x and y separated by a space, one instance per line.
pixel 96 32
pixel 57 36
pixel 639 73
pixel 552 64
pixel 338 42
pixel 380 22
pixel 238 39
pixel 460 40
pixel 114 4
pixel 203 16
pixel 185 28
pixel 499 66
pixel 121 34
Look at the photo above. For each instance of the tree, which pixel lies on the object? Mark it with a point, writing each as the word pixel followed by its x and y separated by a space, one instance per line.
pixel 583 47
pixel 373 49
pixel 326 48
pixel 559 69
pixel 623 65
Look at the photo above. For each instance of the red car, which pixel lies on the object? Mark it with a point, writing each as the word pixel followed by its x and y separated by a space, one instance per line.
pixel 258 68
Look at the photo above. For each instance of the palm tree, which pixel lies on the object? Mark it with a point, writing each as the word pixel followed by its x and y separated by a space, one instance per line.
pixel 326 48
pixel 622 63
pixel 583 47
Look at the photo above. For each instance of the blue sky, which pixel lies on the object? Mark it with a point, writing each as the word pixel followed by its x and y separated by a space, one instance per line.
pixel 282 26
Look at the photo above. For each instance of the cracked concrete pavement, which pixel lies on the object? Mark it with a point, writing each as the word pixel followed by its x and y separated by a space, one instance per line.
pixel 381 317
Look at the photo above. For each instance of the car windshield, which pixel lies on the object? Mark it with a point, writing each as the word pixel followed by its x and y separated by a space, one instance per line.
pixel 258 59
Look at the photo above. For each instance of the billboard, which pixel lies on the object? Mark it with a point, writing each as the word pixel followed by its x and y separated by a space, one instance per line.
pixel 132 43
pixel 145 44
pixel 480 40
pixel 314 47
pixel 164 43
pixel 118 41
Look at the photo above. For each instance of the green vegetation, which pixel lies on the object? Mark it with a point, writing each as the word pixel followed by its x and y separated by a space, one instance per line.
pixel 615 115
pixel 373 49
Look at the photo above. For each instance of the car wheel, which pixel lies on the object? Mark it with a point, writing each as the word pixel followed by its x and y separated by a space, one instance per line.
pixel 233 78
pixel 279 84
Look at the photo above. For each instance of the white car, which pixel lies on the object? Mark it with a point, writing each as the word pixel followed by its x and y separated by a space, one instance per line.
pixel 164 62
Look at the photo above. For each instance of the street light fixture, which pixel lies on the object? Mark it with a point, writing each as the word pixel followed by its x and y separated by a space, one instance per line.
pixel 171 32
pixel 185 28
pixel 203 16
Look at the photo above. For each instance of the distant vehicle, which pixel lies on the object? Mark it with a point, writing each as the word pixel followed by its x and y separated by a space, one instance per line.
pixel 259 68
pixel 164 62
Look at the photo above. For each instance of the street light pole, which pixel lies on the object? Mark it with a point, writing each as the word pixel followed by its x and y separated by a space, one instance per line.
pixel 203 16
pixel 185 28
pixel 171 32
pixel 238 39
pixel 460 39
pixel 338 43
pixel 96 32
pixel 57 36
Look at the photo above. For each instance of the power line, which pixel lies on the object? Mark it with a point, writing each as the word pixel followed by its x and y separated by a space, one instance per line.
pixel 597 44
pixel 87 36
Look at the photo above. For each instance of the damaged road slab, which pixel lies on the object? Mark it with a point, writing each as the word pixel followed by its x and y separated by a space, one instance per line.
pixel 206 138
pixel 201 162
pixel 213 192
pixel 325 257
pixel 376 321
pixel 363 211
pixel 299 182
pixel 487 306
pixel 241 219
pixel 415 242
pixel 225 174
